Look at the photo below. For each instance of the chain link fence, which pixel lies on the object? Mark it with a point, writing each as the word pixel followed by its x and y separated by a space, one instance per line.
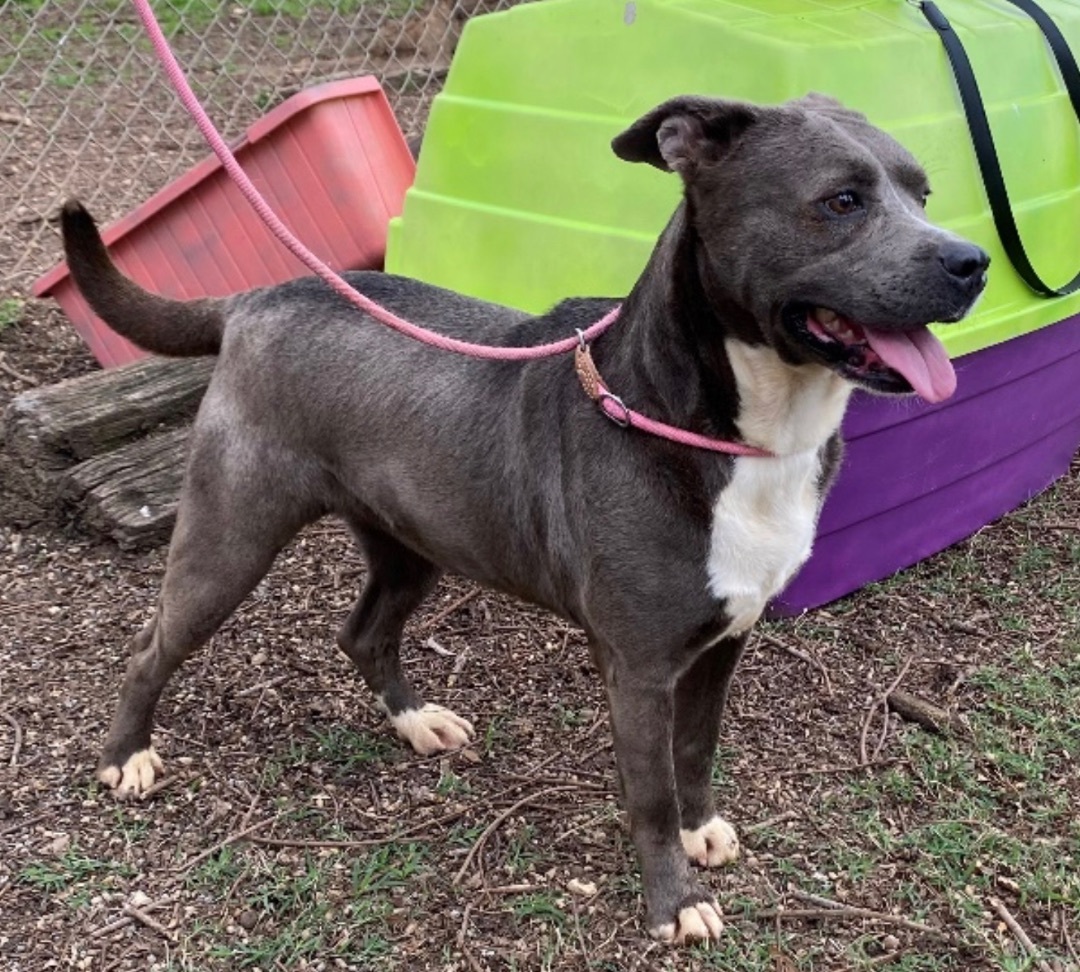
pixel 85 109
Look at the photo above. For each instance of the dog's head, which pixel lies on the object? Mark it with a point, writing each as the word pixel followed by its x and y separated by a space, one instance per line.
pixel 812 221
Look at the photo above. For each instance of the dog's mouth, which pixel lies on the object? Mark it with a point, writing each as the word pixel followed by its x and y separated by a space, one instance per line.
pixel 890 361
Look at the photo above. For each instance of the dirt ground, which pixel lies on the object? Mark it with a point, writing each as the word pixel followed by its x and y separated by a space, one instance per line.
pixel 293 831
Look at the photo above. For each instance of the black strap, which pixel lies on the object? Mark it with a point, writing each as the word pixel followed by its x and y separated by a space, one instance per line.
pixel 1070 74
pixel 983 139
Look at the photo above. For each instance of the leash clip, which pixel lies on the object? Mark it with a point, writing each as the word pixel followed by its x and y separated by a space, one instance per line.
pixel 621 417
pixel 611 405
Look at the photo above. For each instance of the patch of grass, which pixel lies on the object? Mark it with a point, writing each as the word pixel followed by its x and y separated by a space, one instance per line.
pixel 386 867
pixel 266 99
pixel 463 835
pixel 450 784
pixel 11 310
pixel 316 909
pixel 220 870
pixel 300 8
pixel 988 812
pixel 746 949
pixel 73 871
pixel 134 829
pixel 722 780
pixel 309 911
pixel 341 747
pixel 95 19
pixel 497 736
pixel 540 907
pixel 567 717
pixel 522 854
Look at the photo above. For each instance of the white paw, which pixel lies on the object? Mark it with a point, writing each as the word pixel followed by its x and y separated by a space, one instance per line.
pixel 136 776
pixel 701 922
pixel 712 844
pixel 432 729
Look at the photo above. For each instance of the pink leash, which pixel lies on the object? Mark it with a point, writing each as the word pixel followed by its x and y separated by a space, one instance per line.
pixel 611 405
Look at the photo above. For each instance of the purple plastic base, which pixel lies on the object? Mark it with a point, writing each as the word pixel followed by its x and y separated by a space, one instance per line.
pixel 917 477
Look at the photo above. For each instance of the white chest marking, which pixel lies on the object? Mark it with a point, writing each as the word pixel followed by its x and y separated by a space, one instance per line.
pixel 764 519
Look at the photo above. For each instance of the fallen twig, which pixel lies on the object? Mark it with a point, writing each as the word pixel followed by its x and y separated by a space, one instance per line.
pixel 152 923
pixel 879 703
pixel 220 845
pixel 262 686
pixel 509 889
pixel 579 933
pixel 803 656
pixel 846 913
pixel 11 372
pixel 816 899
pixel 16 746
pixel 21 824
pixel 498 821
pixel 770 822
pixel 163 783
pixel 885 959
pixel 1019 934
pixel 113 926
pixel 433 645
pixel 357 844
pixel 1068 942
pixel 473 964
pixel 442 615
pixel 841 767
pixel 459 666
pixel 251 808
pixel 577 828
pixel 24 607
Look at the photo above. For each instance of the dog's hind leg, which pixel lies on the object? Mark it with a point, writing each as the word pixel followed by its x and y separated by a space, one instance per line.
pixel 230 526
pixel 398 581
pixel 700 696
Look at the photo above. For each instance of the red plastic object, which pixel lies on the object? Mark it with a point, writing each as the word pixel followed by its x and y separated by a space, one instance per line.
pixel 331 161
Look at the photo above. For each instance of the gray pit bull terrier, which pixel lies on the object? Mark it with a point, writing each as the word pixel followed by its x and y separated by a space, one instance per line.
pixel 799 265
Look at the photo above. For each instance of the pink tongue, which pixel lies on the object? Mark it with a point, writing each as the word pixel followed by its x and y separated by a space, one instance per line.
pixel 920 357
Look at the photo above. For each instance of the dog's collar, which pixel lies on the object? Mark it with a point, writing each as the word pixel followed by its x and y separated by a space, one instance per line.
pixel 616 410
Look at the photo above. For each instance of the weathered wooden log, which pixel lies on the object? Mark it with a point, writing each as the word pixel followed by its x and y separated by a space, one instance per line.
pixel 47 430
pixel 130 493
pixel 65 423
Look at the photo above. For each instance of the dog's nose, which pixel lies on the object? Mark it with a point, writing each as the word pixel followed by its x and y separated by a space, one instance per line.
pixel 964 261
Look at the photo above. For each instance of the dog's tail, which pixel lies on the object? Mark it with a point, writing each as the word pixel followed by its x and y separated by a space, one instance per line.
pixel 174 327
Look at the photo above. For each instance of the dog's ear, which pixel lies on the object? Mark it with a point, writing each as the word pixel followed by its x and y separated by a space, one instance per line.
pixel 827 105
pixel 683 132
pixel 815 99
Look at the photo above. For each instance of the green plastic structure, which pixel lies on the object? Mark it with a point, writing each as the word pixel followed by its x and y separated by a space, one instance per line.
pixel 518 198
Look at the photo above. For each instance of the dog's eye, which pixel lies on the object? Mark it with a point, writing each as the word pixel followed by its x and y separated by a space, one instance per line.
pixel 843 203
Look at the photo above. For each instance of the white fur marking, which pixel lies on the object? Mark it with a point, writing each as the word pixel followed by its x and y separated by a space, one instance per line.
pixel 432 729
pixel 699 922
pixel 764 519
pixel 785 408
pixel 712 844
pixel 136 776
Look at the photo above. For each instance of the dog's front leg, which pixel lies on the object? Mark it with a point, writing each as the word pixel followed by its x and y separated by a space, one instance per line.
pixel 700 696
pixel 678 909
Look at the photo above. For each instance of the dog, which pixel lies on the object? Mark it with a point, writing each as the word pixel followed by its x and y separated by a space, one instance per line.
pixel 799 265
